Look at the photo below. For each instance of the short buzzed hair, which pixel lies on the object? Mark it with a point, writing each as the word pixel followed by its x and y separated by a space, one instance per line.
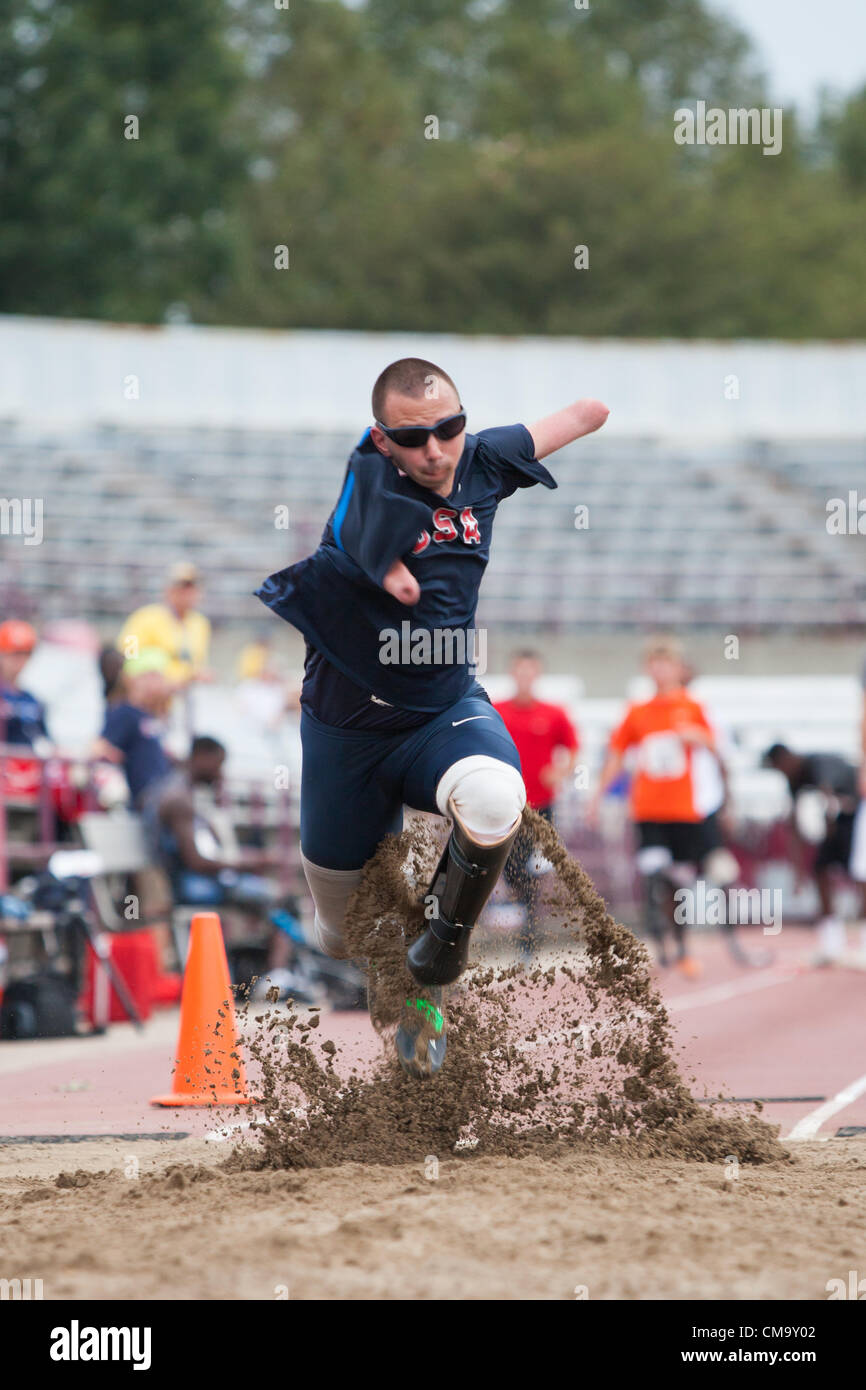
pixel 410 376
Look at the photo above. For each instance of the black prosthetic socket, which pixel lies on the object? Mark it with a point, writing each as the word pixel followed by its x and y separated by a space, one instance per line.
pixel 464 879
pixel 657 911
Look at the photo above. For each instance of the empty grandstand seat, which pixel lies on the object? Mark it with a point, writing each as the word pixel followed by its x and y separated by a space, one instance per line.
pixel 740 525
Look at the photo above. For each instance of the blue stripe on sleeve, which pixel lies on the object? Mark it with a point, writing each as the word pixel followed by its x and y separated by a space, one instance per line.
pixel 342 508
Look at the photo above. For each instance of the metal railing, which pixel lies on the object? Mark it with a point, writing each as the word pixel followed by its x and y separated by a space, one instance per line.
pixel 50 793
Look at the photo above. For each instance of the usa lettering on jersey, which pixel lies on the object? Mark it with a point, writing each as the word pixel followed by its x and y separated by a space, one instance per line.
pixel 444 529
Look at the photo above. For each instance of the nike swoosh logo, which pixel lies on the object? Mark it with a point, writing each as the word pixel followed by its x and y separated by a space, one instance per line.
pixel 468 719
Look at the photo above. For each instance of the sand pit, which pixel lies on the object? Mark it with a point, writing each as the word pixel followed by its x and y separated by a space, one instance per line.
pixel 560 1154
pixel 184 1228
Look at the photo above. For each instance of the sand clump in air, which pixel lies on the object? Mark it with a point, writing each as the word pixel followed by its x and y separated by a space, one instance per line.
pixel 539 1060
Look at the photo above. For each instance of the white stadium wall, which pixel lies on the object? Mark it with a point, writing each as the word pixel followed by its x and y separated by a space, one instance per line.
pixel 61 374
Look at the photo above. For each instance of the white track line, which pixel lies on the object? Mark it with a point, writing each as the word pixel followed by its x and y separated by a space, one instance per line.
pixel 717 994
pixel 222 1132
pixel 808 1127
pixel 713 994
pixel 217 1136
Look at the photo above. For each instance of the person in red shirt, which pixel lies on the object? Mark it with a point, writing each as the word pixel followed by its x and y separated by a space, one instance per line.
pixel 662 733
pixel 547 742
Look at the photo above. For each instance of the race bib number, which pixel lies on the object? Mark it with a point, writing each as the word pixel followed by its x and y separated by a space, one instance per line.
pixel 663 757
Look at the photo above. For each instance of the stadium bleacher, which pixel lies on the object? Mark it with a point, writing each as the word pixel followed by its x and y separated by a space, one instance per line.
pixel 673 535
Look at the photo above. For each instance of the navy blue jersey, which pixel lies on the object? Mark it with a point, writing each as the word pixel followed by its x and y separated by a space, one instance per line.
pixel 22 717
pixel 138 735
pixel 343 704
pixel 419 657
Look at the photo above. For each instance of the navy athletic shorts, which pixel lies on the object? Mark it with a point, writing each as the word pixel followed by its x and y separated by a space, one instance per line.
pixel 355 782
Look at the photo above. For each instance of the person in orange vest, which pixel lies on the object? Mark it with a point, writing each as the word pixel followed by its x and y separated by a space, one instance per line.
pixel 663 734
pixel 547 742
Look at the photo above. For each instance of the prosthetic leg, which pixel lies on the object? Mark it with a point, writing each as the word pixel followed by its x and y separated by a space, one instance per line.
pixel 485 798
pixel 464 879
pixel 655 866
pixel 421 1039
pixel 657 918
pixel 662 876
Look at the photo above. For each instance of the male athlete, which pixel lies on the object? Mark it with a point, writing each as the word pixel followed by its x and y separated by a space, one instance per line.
pixel 392 714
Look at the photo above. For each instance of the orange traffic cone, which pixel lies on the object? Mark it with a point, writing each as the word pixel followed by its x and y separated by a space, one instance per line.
pixel 208 1069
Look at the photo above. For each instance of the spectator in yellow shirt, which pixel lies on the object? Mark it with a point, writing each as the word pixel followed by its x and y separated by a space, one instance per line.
pixel 175 627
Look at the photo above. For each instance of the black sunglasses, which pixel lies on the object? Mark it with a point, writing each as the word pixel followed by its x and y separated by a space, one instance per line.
pixel 416 436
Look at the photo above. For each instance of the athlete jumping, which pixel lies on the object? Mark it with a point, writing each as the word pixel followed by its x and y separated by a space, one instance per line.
pixel 391 711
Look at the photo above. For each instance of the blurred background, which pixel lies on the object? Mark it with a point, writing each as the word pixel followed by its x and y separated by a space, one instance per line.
pixel 221 220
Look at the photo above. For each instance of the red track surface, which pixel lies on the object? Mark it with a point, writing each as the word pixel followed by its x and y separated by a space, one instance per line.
pixel 784 1030
pixel 787 1030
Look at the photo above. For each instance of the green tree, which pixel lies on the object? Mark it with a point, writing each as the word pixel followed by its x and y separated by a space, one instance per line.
pixel 429 166
pixel 94 222
pixel 848 136
pixel 555 129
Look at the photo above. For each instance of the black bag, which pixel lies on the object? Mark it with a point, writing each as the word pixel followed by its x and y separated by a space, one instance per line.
pixel 39 1006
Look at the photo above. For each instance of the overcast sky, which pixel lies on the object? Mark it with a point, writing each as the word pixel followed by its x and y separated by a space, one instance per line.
pixel 804 44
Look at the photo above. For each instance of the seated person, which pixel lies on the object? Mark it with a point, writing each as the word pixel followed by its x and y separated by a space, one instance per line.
pixel 132 733
pixel 22 716
pixel 194 841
